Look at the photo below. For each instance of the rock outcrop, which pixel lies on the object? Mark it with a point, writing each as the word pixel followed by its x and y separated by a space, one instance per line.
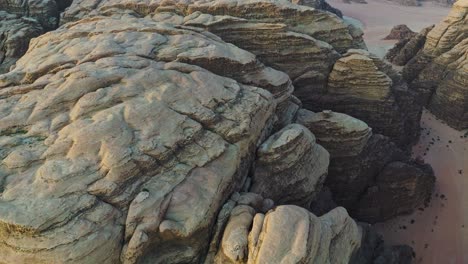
pixel 406 48
pixel 15 34
pixel 127 134
pixel 363 86
pixel 122 137
pixel 400 32
pixel 368 174
pixel 438 73
pixel 46 12
pixel 287 234
pixel 319 4
pixel 290 167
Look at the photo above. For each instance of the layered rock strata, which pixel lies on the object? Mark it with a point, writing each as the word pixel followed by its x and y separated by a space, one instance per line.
pixel 15 34
pixel 290 167
pixel 112 139
pixel 368 174
pixel 46 12
pixel 439 71
pixel 363 86
pixel 406 48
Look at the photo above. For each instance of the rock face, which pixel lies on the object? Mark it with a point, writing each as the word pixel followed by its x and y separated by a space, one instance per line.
pixel 15 34
pixel 438 73
pixel 287 234
pixel 363 86
pixel 400 32
pixel 290 167
pixel 46 12
pixel 127 133
pixel 123 129
pixel 406 48
pixel 368 174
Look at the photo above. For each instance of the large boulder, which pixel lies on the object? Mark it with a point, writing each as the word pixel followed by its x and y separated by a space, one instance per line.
pixel 112 135
pixel 365 87
pixel 15 34
pixel 290 167
pixel 368 174
pixel 287 234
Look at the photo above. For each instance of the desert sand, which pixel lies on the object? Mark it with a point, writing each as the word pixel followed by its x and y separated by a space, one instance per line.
pixel 438 233
pixel 379 16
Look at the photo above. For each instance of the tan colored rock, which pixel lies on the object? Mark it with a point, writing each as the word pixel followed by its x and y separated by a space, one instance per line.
pixel 438 72
pixel 107 138
pixel 287 234
pixel 290 167
pixel 291 234
pixel 341 135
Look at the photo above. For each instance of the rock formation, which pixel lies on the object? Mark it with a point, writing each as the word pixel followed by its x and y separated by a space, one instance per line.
pixel 122 134
pixel 406 48
pixel 368 174
pixel 286 234
pixel 290 167
pixel 400 32
pixel 363 86
pixel 15 34
pixel 46 12
pixel 438 73
pixel 164 132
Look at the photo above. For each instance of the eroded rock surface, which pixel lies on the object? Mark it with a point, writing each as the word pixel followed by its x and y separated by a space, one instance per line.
pixel 406 48
pixel 120 137
pixel 363 86
pixel 288 234
pixel 439 73
pixel 368 174
pixel 46 12
pixel 15 34
pixel 290 167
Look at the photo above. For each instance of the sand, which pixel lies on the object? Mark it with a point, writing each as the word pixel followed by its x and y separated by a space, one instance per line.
pixel 378 18
pixel 438 233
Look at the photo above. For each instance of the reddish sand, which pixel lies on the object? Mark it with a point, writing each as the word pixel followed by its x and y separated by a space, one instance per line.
pixel 439 233
pixel 379 17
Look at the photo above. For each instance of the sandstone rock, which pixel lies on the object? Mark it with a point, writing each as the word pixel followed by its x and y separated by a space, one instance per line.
pixel 406 48
pixel 360 161
pixel 290 234
pixel 438 72
pixel 111 134
pixel 15 34
pixel 342 135
pixel 290 167
pixel 400 32
pixel 319 4
pixel 46 12
pixel 363 86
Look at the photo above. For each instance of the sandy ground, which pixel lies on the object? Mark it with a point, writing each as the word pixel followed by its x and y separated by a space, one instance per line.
pixel 438 233
pixel 378 18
